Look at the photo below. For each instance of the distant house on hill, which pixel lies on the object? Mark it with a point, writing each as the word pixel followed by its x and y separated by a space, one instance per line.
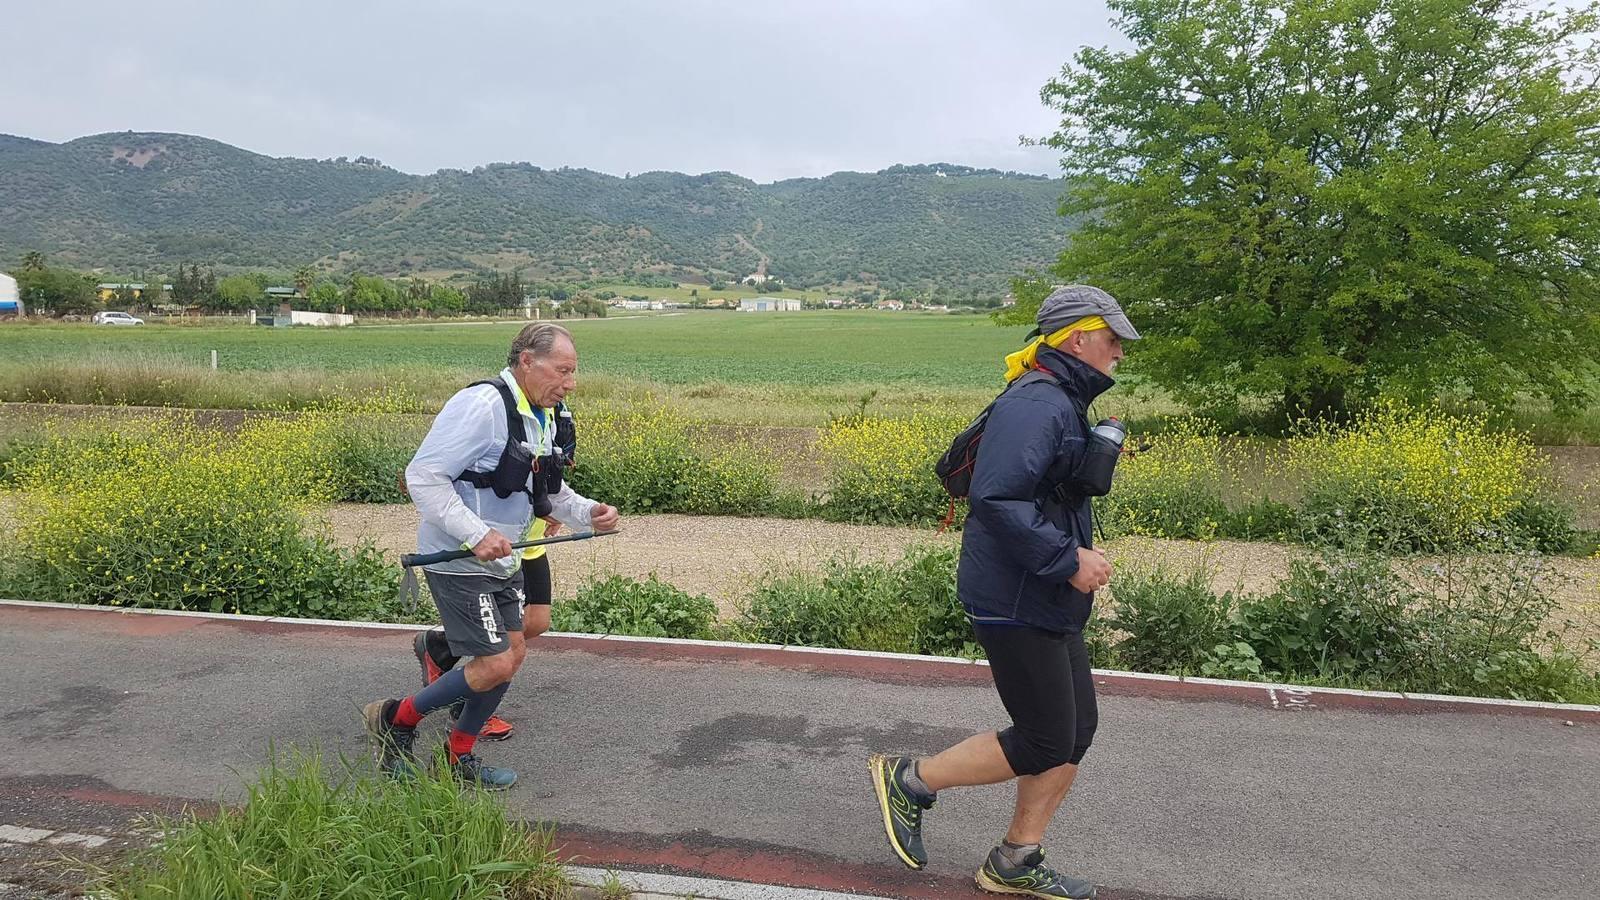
pixel 894 305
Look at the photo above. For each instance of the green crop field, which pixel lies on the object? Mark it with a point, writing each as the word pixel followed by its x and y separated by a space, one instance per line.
pixel 791 369
pixel 802 349
pixel 795 369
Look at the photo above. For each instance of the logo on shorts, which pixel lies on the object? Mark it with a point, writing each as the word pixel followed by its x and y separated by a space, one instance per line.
pixel 521 597
pixel 486 611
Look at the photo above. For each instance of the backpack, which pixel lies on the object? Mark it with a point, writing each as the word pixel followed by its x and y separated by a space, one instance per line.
pixel 565 447
pixel 954 468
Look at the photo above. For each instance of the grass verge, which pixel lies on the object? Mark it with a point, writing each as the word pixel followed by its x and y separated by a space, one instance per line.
pixel 311 829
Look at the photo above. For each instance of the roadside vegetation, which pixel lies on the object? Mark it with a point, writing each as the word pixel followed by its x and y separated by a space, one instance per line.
pixel 310 827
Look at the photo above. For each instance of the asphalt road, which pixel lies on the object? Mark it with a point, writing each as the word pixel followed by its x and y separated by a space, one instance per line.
pixel 752 765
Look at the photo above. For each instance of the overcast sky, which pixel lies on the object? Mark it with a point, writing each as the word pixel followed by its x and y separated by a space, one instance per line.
pixel 769 90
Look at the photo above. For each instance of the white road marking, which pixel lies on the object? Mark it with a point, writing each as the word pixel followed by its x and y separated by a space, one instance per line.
pixel 16 834
pixel 703 888
pixel 72 837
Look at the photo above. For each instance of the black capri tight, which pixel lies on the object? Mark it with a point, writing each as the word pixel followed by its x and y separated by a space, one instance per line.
pixel 1044 681
pixel 536 580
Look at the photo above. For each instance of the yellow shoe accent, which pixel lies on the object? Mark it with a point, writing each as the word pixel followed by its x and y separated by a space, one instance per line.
pixel 878 765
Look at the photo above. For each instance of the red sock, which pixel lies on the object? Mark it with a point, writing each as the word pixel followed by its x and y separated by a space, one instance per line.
pixel 406 715
pixel 461 743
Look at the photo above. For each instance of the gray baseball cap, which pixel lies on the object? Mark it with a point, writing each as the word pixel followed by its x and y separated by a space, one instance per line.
pixel 1070 302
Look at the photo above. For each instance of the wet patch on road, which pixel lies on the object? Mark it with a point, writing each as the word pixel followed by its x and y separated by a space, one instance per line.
pixel 725 740
pixel 74 709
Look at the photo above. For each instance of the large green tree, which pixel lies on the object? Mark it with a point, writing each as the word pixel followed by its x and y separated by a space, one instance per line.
pixel 1320 201
pixel 57 291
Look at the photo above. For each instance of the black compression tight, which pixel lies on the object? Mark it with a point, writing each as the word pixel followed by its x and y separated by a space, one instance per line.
pixel 1044 681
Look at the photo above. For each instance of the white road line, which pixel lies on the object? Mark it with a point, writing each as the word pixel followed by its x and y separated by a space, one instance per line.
pixel 16 834
pixel 72 837
pixel 704 888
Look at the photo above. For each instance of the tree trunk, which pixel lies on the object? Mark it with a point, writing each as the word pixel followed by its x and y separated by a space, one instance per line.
pixel 1319 403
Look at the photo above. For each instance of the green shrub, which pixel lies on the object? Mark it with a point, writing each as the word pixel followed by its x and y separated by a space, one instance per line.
pixel 305 831
pixel 1263 520
pixel 1235 659
pixel 1487 629
pixel 1482 629
pixel 16 453
pixel 1543 523
pixel 648 608
pixel 649 461
pixel 881 470
pixel 908 606
pixel 1406 480
pixel 369 460
pixel 793 504
pixel 1339 619
pixel 1167 624
pixel 731 480
pixel 1176 488
pixel 180 517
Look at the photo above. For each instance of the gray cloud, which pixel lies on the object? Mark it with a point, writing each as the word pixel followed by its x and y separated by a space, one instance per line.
pixel 766 89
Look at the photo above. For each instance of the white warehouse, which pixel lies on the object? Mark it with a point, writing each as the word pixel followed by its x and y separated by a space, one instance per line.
pixel 769 304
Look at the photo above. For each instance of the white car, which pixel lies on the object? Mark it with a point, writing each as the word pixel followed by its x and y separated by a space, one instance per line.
pixel 115 318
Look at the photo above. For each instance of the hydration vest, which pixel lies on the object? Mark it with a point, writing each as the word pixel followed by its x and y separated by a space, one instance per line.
pixel 517 461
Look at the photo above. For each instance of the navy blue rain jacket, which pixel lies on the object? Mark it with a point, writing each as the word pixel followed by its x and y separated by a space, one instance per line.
pixel 1019 546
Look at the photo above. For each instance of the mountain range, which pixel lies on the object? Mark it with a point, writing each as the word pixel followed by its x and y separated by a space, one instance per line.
pixel 132 201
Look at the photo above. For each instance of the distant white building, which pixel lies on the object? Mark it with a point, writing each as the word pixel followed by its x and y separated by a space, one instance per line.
pixel 642 304
pixel 10 302
pixel 769 304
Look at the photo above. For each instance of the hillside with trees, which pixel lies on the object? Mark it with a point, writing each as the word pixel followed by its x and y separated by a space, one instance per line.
pixel 134 201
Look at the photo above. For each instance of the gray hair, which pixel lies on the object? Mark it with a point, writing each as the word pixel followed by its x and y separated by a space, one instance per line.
pixel 538 339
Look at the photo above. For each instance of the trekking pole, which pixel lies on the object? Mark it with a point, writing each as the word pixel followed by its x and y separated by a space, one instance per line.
pixel 410 591
pixel 410 560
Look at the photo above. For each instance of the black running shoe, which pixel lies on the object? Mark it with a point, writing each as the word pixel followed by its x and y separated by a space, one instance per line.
pixel 1033 878
pixel 902 808
pixel 391 743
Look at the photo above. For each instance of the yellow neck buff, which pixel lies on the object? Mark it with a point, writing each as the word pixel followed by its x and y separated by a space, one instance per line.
pixel 1021 361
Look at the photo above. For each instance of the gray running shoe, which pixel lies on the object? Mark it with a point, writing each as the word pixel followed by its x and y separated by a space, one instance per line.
pixel 470 770
pixel 391 743
pixel 1033 878
pixel 902 808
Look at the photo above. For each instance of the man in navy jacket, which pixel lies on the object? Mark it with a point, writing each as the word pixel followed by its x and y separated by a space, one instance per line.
pixel 1027 579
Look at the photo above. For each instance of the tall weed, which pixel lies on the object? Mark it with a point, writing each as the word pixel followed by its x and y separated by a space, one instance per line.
pixel 648 608
pixel 647 460
pixel 175 516
pixel 307 829
pixel 1421 480
pixel 907 606
pixel 881 470
pixel 1176 488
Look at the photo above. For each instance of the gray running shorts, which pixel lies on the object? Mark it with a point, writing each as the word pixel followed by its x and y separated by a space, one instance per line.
pixel 477 611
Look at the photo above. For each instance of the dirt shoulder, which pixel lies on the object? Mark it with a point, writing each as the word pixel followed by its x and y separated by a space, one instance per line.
pixel 719 556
